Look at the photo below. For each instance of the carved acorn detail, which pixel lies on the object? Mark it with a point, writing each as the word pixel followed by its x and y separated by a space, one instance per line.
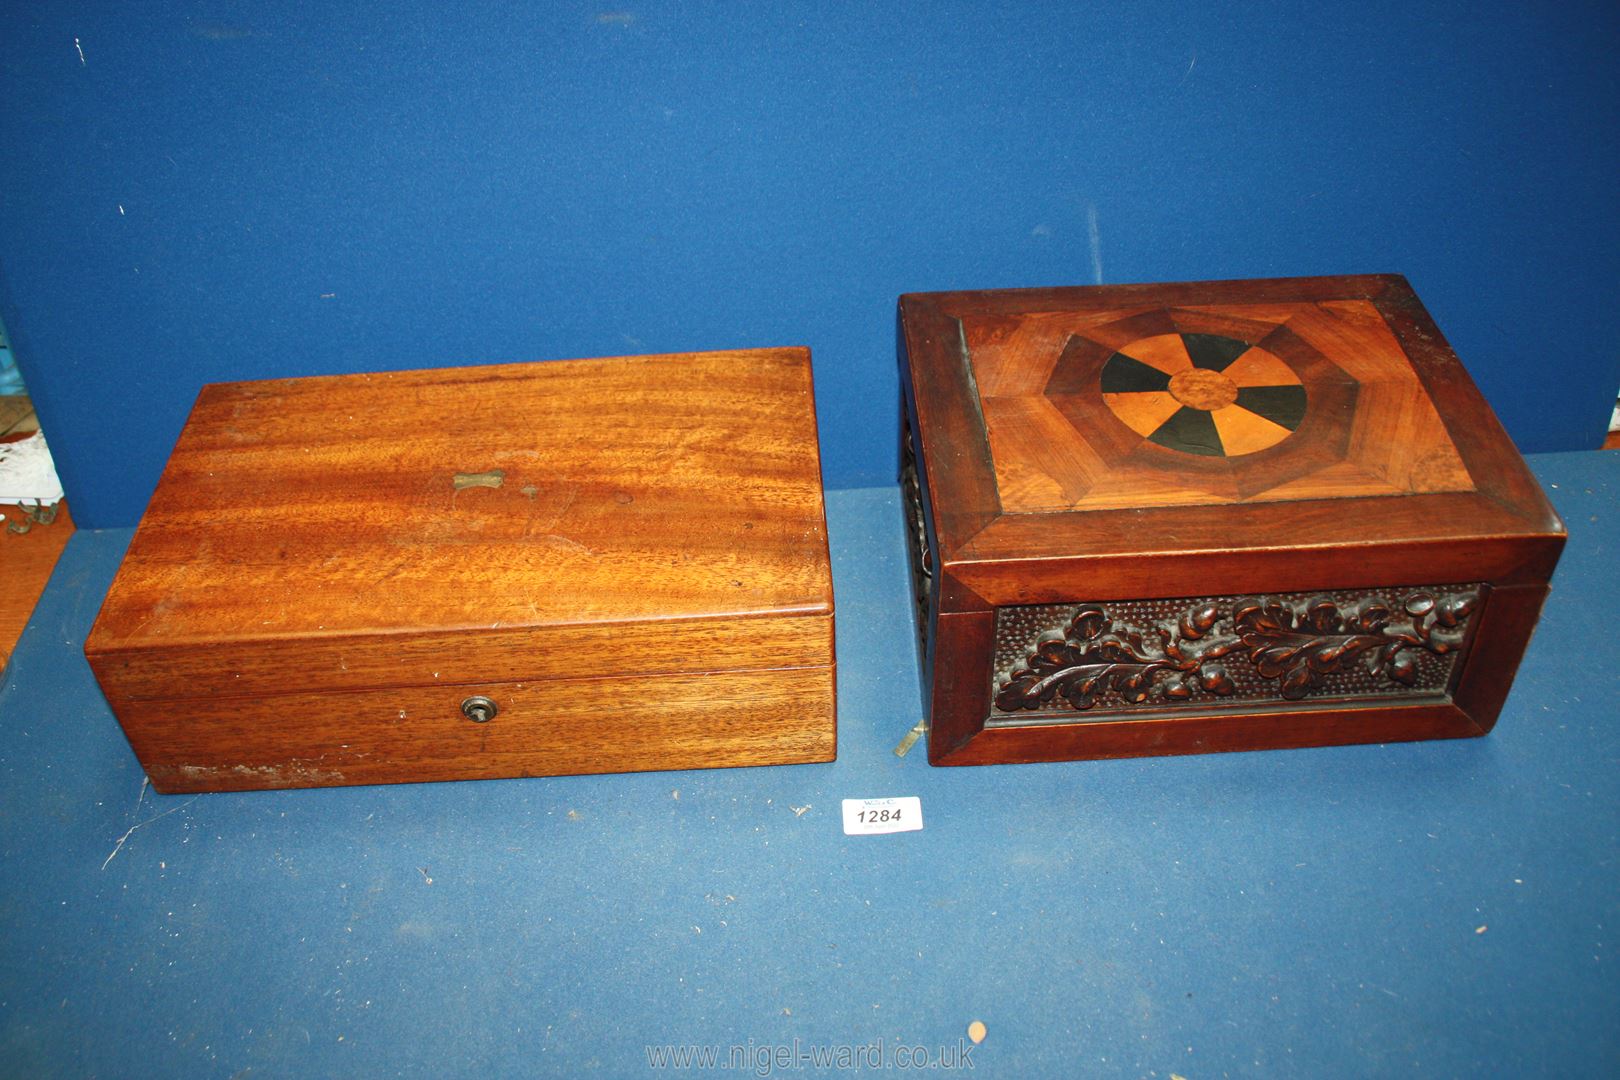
pixel 1296 643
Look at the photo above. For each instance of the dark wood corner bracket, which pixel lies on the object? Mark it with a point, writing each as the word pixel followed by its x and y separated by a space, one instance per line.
pixel 1144 657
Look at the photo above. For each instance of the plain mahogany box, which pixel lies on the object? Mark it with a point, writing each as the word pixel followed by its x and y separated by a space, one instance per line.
pixel 1166 519
pixel 518 570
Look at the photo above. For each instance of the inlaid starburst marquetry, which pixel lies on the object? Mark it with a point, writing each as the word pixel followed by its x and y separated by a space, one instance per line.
pixel 1203 394
pixel 1231 403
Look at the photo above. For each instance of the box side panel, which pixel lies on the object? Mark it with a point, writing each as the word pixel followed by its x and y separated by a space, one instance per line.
pixel 920 544
pixel 776 717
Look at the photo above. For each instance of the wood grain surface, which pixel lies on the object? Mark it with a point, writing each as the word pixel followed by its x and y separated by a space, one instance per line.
pixel 549 728
pixel 1206 439
pixel 588 520
pixel 1085 415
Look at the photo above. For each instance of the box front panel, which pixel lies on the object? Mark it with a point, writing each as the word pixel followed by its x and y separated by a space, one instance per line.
pixel 486 730
pixel 1137 677
pixel 1071 663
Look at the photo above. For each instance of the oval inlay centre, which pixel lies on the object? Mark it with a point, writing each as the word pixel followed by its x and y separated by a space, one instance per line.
pixel 1199 388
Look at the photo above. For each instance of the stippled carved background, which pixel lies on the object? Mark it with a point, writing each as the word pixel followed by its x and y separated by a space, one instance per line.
pixel 1086 661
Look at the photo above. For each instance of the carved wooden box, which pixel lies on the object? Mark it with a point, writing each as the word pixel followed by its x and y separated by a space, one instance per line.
pixel 1159 519
pixel 519 570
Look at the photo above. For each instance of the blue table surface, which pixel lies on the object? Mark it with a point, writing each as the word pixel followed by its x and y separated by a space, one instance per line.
pixel 1436 908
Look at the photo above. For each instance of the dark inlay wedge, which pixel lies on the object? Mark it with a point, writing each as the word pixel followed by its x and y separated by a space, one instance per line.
pixel 1124 375
pixel 1213 352
pixel 1283 405
pixel 1192 431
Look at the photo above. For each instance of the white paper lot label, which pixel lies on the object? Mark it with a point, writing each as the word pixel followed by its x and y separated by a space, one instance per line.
pixel 869 817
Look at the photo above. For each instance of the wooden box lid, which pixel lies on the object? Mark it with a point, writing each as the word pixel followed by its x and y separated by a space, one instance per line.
pixel 569 519
pixel 1115 441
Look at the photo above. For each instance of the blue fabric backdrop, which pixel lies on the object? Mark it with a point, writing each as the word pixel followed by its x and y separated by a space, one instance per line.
pixel 211 190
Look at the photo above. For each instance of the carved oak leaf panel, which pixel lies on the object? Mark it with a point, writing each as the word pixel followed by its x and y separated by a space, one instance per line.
pixel 1295 645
